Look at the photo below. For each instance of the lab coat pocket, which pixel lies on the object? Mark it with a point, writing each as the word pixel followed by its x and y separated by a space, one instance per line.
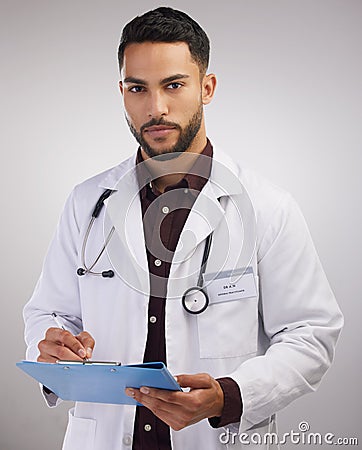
pixel 80 433
pixel 229 329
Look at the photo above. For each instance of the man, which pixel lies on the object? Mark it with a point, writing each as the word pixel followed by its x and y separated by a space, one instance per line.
pixel 243 358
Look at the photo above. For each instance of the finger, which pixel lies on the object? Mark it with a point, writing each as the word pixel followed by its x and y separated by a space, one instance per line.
pixel 87 341
pixel 53 334
pixel 197 381
pixel 155 404
pixel 175 415
pixel 48 359
pixel 52 351
pixel 65 338
pixel 171 397
pixel 73 344
pixel 167 401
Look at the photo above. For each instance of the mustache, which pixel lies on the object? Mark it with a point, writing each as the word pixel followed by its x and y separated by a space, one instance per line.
pixel 153 122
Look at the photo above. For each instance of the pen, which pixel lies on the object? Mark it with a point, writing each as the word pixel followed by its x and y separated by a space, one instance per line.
pixel 60 325
pixel 57 320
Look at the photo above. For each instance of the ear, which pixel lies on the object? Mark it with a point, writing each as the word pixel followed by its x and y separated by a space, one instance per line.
pixel 208 88
pixel 120 84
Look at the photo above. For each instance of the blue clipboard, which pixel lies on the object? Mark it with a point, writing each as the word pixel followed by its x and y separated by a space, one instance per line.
pixel 98 382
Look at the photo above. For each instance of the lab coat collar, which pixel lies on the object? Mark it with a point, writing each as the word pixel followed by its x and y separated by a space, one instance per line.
pixel 220 159
pixel 114 175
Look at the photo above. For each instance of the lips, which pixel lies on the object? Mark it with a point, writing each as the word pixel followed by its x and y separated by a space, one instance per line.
pixel 158 128
pixel 157 131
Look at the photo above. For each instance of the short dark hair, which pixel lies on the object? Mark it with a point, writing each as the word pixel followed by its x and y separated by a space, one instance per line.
pixel 167 25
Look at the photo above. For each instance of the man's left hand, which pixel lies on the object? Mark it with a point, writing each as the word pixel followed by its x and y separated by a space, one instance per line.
pixel 181 409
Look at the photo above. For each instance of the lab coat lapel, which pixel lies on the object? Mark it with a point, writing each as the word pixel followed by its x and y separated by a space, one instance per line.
pixel 207 211
pixel 202 220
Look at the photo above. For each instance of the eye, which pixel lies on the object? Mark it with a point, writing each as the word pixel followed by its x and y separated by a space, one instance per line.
pixel 136 89
pixel 174 85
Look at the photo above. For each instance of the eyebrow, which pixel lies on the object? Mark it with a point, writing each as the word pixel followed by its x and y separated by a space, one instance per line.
pixel 178 76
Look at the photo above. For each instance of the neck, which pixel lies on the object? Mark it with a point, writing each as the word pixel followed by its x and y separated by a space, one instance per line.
pixel 171 171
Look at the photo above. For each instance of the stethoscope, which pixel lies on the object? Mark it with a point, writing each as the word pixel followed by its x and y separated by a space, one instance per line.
pixel 85 269
pixel 194 300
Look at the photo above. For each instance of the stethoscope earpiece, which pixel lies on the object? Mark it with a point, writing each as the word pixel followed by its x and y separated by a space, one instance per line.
pixel 108 274
pixel 105 274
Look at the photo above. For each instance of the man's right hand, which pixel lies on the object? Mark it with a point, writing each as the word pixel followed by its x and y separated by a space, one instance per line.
pixel 62 345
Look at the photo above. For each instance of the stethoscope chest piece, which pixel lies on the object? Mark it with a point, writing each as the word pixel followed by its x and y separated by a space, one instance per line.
pixel 195 300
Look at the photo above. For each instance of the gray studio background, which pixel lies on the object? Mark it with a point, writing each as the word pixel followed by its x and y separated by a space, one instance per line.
pixel 288 104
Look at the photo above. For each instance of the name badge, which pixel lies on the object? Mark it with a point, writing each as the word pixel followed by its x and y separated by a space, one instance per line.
pixel 230 285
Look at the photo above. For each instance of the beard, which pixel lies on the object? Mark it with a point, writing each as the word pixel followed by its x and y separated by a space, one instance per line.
pixel 186 136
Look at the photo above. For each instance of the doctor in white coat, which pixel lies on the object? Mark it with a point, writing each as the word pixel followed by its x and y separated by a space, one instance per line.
pixel 275 339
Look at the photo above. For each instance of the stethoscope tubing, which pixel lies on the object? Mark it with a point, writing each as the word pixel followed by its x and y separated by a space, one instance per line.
pixel 205 258
pixel 95 213
pixel 85 241
pixel 198 289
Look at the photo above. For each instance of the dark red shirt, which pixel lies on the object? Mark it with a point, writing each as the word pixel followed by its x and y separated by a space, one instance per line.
pixel 164 215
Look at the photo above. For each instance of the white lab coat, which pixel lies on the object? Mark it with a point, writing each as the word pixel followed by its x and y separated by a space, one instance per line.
pixel 276 345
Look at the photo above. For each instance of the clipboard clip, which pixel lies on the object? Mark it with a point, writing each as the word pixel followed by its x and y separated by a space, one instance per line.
pixel 87 363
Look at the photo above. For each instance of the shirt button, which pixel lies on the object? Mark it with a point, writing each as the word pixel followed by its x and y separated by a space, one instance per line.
pixel 165 209
pixel 153 319
pixel 147 427
pixel 186 191
pixel 127 439
pixel 158 262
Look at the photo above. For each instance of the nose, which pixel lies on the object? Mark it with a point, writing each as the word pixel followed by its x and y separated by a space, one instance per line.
pixel 157 105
